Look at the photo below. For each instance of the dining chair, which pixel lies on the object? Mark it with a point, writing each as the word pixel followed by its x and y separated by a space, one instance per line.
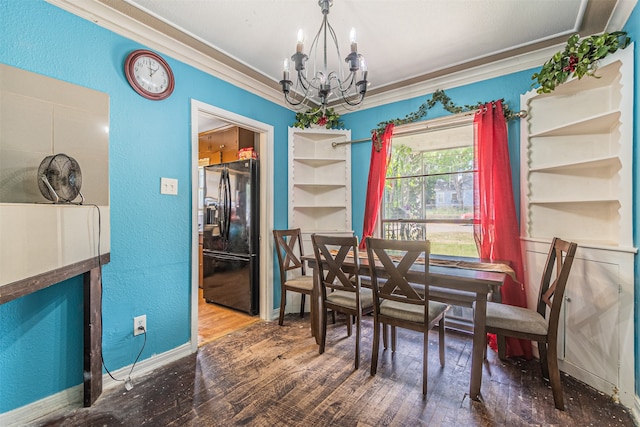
pixel 399 303
pixel 289 248
pixel 540 325
pixel 340 288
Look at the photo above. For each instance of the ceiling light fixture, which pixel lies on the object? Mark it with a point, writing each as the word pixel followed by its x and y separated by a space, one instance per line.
pixel 325 86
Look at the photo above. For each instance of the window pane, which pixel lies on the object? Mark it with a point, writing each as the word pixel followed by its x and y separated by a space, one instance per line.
pixel 429 194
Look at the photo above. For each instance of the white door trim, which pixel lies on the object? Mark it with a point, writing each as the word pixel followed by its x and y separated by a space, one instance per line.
pixel 266 136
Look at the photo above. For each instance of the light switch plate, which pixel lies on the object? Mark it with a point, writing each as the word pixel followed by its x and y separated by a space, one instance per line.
pixel 169 186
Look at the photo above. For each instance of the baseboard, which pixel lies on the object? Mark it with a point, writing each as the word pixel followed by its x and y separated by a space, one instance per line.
pixel 73 396
pixel 25 415
pixel 144 367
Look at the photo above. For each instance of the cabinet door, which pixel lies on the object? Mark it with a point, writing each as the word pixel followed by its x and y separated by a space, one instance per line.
pixel 591 318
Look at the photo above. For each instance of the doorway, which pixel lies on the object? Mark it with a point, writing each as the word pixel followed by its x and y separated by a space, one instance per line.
pixel 203 115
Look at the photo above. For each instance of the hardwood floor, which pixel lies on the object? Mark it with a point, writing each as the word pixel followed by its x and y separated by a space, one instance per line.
pixel 215 321
pixel 268 375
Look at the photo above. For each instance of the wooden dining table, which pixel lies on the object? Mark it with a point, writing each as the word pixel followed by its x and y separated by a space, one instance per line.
pixel 442 274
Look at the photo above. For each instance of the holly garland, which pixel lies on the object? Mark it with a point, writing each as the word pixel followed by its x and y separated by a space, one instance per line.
pixel 578 59
pixel 447 104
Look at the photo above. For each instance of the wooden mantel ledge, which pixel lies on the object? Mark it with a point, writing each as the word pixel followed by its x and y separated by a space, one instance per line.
pixel 23 287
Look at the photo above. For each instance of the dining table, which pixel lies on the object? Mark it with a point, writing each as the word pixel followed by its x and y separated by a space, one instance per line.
pixel 461 275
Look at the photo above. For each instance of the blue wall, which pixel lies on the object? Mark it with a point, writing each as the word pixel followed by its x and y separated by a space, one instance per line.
pixel 633 29
pixel 149 273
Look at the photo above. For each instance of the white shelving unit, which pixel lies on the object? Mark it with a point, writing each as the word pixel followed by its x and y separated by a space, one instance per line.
pixel 319 187
pixel 319 183
pixel 577 184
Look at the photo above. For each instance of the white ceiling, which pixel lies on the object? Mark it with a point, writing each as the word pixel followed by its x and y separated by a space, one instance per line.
pixel 402 40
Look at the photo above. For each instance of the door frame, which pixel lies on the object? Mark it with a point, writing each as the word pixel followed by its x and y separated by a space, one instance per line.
pixel 265 151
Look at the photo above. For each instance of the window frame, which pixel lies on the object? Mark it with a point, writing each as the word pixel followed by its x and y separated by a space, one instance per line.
pixel 419 128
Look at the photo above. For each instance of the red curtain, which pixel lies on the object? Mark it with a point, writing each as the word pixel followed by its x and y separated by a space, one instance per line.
pixel 380 156
pixel 495 223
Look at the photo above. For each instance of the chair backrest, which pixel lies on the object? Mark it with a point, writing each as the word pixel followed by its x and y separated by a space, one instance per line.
pixel 397 257
pixel 552 286
pixel 289 248
pixel 331 252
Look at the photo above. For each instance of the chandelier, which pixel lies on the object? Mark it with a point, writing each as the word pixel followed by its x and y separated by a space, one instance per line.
pixel 324 86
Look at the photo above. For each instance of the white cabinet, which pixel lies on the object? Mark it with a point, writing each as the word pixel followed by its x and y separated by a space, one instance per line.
pixel 319 182
pixel 577 184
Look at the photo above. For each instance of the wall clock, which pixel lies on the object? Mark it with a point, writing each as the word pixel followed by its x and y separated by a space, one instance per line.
pixel 149 74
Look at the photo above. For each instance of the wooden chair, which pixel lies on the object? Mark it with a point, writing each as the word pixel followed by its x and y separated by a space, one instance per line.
pixel 506 320
pixel 340 289
pixel 289 259
pixel 399 304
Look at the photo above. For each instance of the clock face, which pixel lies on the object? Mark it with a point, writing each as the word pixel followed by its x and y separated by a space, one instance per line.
pixel 149 74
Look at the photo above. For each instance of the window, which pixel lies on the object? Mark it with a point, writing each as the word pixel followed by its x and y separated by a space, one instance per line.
pixel 429 189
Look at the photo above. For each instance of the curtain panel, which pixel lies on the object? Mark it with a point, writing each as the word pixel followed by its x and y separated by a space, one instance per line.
pixel 380 156
pixel 495 223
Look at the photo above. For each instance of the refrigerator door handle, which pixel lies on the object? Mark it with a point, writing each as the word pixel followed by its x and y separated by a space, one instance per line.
pixel 228 201
pixel 221 215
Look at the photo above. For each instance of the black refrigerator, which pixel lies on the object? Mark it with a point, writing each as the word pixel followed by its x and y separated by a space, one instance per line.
pixel 231 235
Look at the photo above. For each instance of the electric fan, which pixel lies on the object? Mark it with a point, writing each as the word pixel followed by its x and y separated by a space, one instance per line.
pixel 60 179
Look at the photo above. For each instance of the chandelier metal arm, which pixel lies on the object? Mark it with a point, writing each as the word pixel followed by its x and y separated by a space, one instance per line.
pixel 326 84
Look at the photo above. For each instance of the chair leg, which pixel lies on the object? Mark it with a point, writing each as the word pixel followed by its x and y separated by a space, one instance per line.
pixel 376 345
pixel 348 325
pixel 358 318
pixel 323 333
pixel 302 305
pixel 554 376
pixel 393 338
pixel 385 336
pixel 502 346
pixel 544 365
pixel 425 360
pixel 441 340
pixel 283 299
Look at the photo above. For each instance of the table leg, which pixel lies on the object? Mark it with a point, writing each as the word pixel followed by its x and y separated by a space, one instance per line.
pixel 92 336
pixel 479 342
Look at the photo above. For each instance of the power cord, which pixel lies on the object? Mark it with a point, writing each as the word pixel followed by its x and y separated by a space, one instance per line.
pixel 128 383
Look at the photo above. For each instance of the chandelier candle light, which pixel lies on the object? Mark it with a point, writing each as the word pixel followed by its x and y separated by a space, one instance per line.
pixel 325 86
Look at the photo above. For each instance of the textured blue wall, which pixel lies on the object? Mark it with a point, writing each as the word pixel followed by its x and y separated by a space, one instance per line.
pixel 633 29
pixel 149 273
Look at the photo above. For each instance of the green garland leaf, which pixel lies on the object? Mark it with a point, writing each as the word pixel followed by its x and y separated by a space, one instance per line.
pixel 327 118
pixel 578 59
pixel 447 104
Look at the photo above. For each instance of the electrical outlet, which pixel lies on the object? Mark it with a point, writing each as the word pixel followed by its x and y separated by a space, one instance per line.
pixel 169 186
pixel 139 324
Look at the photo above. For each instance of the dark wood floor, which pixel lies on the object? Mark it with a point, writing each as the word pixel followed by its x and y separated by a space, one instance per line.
pixel 267 375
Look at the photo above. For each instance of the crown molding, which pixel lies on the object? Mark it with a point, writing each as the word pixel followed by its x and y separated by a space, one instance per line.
pixel 491 70
pixel 109 18
pixel 100 13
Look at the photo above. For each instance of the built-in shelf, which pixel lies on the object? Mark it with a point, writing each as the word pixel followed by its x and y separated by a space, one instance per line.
pixel 601 123
pixel 610 162
pixel 319 182
pixel 577 184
